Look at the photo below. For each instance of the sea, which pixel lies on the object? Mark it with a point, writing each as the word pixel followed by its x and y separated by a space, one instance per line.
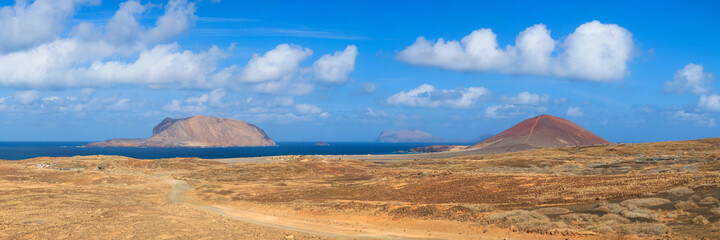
pixel 25 150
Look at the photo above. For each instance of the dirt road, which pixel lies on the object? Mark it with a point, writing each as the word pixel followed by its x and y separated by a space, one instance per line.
pixel 323 227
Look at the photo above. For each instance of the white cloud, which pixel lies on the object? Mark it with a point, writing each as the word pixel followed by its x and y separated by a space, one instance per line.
pixel 501 111
pixel 122 104
pixel 179 16
pixel 594 52
pixel 32 101
pixel 277 64
pixel 527 98
pixel 307 109
pixel 284 87
pixel 373 113
pixel 709 102
pixel 27 97
pixel 122 55
pixel 161 66
pixel 701 119
pixel 336 67
pixel 194 105
pixel 26 25
pixel 561 100
pixel 367 88
pixel 690 79
pixel 574 112
pixel 427 96
pixel 122 28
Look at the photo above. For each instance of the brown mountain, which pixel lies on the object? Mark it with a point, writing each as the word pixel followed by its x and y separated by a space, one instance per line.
pixel 197 131
pixel 540 132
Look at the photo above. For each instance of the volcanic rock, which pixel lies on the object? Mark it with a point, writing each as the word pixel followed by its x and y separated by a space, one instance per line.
pixel 540 132
pixel 197 131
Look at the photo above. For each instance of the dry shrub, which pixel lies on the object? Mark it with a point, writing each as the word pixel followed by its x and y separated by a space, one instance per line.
pixel 709 201
pixel 609 207
pixel 700 220
pixel 579 219
pixel 552 210
pixel 611 217
pixel 716 210
pixel 715 227
pixel 419 212
pixel 679 191
pixel 460 213
pixel 645 202
pixel 481 207
pixel 638 212
pixel 630 211
pixel 644 229
pixel 684 205
pixel 526 221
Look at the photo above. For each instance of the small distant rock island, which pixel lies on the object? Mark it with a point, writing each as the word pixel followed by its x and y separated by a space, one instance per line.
pixel 197 131
pixel 321 143
pixel 407 136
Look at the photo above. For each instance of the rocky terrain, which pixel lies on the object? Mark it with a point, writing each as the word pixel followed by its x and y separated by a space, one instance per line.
pixel 665 190
pixel 197 131
pixel 540 132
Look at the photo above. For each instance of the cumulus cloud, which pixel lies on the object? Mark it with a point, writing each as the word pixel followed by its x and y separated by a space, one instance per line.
pixel 179 16
pixel 690 79
pixel 194 105
pixel 127 52
pixel 336 67
pixel 120 54
pixel 277 64
pixel 427 96
pixel 709 102
pixel 122 28
pixel 278 71
pixel 527 98
pixel 594 52
pixel 26 25
pixel 574 112
pixel 161 66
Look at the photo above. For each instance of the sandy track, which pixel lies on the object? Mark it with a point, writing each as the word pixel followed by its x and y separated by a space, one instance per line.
pixel 323 227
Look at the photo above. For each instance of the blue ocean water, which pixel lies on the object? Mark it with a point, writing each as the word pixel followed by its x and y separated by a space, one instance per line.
pixel 25 150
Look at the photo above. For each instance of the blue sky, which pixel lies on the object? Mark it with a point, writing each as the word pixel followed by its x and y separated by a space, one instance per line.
pixel 345 70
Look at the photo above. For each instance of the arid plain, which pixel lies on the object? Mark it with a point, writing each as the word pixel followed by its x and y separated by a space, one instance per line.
pixel 666 190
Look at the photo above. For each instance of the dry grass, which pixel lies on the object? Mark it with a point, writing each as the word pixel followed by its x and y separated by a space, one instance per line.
pixel 685 205
pixel 526 221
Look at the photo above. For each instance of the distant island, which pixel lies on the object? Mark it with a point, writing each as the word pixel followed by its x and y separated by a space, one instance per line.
pixel 412 135
pixel 407 136
pixel 321 143
pixel 197 131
